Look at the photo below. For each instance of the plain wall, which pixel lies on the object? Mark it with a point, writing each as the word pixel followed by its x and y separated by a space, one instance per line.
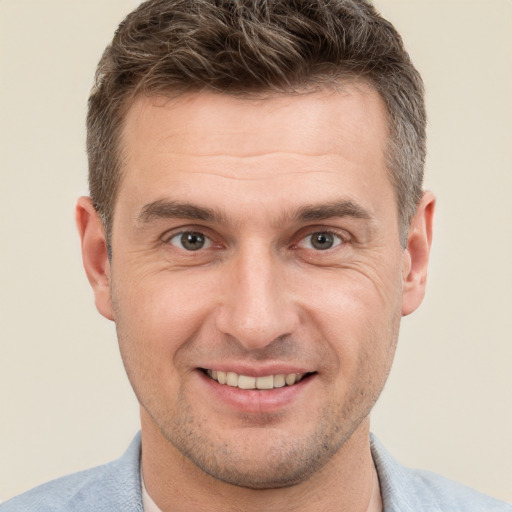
pixel 65 403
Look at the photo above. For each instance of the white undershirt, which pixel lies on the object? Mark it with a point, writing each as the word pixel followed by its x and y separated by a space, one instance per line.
pixel 148 505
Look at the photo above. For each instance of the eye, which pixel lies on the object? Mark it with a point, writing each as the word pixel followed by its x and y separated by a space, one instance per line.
pixel 320 241
pixel 190 241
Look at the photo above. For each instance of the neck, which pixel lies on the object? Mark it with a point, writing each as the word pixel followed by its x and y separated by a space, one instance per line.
pixel 344 484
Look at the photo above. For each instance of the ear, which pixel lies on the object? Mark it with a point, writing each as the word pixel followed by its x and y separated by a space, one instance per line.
pixel 416 254
pixel 94 254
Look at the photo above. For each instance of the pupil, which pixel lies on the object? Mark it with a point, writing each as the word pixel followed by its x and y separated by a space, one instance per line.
pixel 192 241
pixel 322 241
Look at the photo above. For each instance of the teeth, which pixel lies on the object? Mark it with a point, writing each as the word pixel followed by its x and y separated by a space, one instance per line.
pixel 290 379
pixel 232 379
pixel 279 381
pixel 245 382
pixel 265 382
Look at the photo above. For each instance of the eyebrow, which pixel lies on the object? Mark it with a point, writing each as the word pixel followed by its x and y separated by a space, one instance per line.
pixel 343 208
pixel 164 209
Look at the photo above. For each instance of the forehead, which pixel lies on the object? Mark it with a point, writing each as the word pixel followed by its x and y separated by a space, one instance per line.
pixel 204 122
pixel 291 145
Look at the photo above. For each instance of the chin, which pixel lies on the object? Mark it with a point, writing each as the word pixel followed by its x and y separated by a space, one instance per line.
pixel 259 458
pixel 272 473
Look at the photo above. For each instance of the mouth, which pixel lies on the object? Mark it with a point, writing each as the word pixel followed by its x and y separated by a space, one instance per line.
pixel 265 382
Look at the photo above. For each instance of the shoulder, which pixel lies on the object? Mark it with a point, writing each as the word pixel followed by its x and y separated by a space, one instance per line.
pixel 71 492
pixel 449 495
pixel 113 486
pixel 405 489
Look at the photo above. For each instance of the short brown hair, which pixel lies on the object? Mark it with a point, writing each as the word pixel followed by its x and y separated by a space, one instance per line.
pixel 245 47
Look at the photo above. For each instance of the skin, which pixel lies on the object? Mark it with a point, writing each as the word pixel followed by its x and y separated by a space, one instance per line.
pixel 259 298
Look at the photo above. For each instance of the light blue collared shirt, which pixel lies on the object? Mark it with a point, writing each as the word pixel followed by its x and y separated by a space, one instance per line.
pixel 117 487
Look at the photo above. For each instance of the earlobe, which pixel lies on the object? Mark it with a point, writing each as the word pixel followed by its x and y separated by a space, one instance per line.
pixel 416 255
pixel 94 254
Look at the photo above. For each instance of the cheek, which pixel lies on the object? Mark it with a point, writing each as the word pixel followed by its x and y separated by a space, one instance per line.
pixel 163 311
pixel 358 318
pixel 354 296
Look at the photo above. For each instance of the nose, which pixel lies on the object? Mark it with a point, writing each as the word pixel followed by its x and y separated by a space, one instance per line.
pixel 257 306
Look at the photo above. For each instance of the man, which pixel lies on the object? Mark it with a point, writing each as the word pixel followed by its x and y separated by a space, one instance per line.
pixel 256 229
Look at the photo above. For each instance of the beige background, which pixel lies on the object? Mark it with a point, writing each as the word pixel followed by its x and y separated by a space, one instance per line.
pixel 65 403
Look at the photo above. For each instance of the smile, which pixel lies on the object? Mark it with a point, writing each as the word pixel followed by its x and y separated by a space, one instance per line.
pixel 246 382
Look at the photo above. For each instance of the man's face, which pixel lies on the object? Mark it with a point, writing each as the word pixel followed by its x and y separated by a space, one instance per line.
pixel 256 241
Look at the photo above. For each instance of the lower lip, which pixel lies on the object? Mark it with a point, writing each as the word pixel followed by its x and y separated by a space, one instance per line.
pixel 255 400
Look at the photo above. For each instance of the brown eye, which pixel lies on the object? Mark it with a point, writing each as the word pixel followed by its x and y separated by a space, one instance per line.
pixel 190 241
pixel 321 241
